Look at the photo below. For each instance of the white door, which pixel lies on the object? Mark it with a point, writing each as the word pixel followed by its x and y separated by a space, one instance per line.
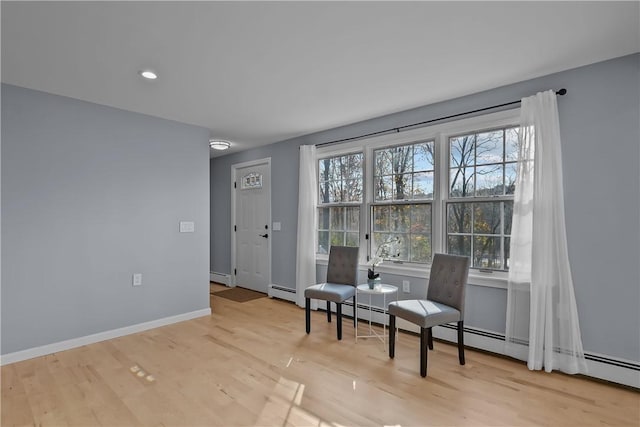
pixel 252 230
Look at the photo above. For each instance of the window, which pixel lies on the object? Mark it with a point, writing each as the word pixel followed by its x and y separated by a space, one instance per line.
pixel 341 194
pixel 482 174
pixel 402 195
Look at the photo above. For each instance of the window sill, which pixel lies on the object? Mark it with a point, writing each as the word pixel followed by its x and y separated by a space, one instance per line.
pixel 496 279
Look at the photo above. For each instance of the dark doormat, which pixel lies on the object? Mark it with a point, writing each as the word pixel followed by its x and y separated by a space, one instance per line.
pixel 239 294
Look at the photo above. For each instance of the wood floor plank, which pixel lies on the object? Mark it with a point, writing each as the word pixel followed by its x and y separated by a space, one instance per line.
pixel 252 363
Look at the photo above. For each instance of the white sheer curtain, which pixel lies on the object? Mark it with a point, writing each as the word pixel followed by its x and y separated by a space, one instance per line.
pixel 541 305
pixel 307 197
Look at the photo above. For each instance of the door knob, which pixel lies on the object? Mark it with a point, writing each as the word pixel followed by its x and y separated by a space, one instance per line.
pixel 266 236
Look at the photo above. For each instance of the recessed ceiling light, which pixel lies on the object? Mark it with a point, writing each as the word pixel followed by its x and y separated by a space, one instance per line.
pixel 148 74
pixel 218 144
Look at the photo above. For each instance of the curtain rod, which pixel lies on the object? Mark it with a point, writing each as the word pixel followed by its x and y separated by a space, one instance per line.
pixel 560 92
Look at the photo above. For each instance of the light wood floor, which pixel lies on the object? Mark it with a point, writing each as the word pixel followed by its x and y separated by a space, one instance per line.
pixel 252 364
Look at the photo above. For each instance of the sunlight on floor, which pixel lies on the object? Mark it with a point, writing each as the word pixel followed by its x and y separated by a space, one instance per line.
pixel 283 407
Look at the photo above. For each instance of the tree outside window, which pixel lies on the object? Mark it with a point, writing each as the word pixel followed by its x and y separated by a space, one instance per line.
pixel 482 174
pixel 403 193
pixel 340 192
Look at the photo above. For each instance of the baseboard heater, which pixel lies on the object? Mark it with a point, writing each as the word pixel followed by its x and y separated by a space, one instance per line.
pixel 223 279
pixel 280 292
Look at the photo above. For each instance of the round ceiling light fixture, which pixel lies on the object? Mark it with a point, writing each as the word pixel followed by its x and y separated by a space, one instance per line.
pixel 148 74
pixel 218 144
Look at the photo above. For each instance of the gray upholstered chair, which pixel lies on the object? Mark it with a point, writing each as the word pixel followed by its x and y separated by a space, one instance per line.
pixel 342 279
pixel 444 304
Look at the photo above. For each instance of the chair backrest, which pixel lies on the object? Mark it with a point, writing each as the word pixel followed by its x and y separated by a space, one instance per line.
pixel 448 279
pixel 343 265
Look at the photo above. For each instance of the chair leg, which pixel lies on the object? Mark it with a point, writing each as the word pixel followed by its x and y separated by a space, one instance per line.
pixel 329 311
pixel 339 319
pixel 355 312
pixel 423 352
pixel 307 313
pixel 392 336
pixel 430 338
pixel 461 342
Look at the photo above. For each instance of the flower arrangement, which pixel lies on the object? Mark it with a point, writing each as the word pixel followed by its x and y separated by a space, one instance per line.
pixel 389 249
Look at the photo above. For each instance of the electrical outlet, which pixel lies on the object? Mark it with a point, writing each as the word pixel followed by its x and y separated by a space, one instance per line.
pixel 137 279
pixel 406 286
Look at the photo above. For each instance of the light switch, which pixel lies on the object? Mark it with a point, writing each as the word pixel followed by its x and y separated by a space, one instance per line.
pixel 187 226
pixel 276 226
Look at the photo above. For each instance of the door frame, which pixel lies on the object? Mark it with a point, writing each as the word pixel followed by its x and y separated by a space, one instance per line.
pixel 234 168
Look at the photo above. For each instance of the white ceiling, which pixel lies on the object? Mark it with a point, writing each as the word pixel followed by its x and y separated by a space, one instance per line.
pixel 260 72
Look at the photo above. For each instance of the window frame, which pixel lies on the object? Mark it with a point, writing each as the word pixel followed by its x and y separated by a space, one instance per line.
pixel 401 202
pixel 474 199
pixel 325 154
pixel 440 134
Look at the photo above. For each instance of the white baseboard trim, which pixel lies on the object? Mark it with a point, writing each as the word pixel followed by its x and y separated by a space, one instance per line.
pixel 601 366
pixel 604 367
pixel 281 292
pixel 224 279
pixel 30 353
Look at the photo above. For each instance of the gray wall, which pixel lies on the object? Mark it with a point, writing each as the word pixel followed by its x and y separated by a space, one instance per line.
pixel 91 195
pixel 600 132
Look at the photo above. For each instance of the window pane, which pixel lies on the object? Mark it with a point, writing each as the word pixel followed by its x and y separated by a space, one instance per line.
pixel 351 166
pixel 401 248
pixel 353 191
pixel 402 232
pixel 510 171
pixel 459 217
pixel 420 248
pixel 489 180
pixel 337 219
pixel 423 185
pixel 486 252
pixel 323 218
pixel 340 179
pixel 486 218
pixel 337 238
pixel 353 239
pixel 334 169
pixel 459 245
pixel 323 242
pixel 461 182
pixel 423 157
pixel 508 216
pixel 489 147
pixel 402 159
pixel 331 191
pixel 402 186
pixel 461 151
pixel 421 218
pixel 353 219
pixel 383 162
pixel 383 188
pixel 400 218
pixel 511 144
pixel 507 252
pixel 380 243
pixel 381 217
